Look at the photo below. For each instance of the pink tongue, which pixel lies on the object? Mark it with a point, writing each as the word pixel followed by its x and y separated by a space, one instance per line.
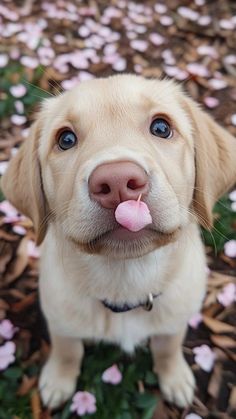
pixel 133 215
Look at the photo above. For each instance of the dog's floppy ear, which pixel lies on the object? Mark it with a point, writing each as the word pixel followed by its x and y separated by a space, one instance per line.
pixel 22 183
pixel 215 161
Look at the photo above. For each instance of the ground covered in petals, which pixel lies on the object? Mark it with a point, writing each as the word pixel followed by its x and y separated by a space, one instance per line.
pixel 47 47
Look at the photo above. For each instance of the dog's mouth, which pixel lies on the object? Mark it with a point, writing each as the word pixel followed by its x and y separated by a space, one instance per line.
pixel 122 234
pixel 124 244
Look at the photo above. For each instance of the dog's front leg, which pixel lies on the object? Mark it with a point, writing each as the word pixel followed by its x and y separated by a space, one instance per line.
pixel 58 378
pixel 176 379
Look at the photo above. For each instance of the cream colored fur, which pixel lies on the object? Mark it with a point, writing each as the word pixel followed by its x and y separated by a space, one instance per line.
pixel 187 173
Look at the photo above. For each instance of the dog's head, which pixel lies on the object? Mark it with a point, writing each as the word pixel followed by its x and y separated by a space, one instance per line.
pixel 110 140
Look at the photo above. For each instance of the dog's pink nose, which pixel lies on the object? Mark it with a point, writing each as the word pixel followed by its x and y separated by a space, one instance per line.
pixel 112 183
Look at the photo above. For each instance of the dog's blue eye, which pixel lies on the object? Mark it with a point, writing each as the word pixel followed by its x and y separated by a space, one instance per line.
pixel 66 140
pixel 161 128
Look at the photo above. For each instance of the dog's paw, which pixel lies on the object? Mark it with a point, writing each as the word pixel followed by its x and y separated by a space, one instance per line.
pixel 56 384
pixel 177 384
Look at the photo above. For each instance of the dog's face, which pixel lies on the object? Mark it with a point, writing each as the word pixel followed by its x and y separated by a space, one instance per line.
pixel 111 121
pixel 109 140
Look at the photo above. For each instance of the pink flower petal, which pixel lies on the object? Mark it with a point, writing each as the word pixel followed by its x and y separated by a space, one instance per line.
pixel 7 352
pixel 139 45
pixel 3 167
pixel 226 24
pixel 181 75
pixel 195 320
pixel 3 60
pixel 138 68
pixel 217 84
pixel 188 13
pixel 33 250
pixel 166 20
pixel 140 29
pixel 120 64
pixel 156 39
pixel 233 119
pixel 232 195
pixel 15 53
pixel 47 52
pixel 193 415
pixel 211 102
pixel 29 62
pixel 173 71
pixel 85 75
pixel 18 119
pixel 200 2
pixel 7 330
pixel 169 59
pixel 230 248
pixel 228 295
pixel 92 408
pixel 83 402
pixel 110 49
pixel 204 20
pixel 133 215
pixel 233 206
pixel 204 357
pixel 112 375
pixel 104 31
pixel 198 69
pixel 112 12
pixel 25 133
pixel 160 8
pixel 111 59
pixel 70 83
pixel 59 39
pixel 19 230
pixel 84 31
pixel 230 59
pixel 8 209
pixel 87 11
pixel 207 50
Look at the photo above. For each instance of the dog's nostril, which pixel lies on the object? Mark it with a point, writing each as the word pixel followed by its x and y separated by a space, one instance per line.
pixel 132 184
pixel 105 189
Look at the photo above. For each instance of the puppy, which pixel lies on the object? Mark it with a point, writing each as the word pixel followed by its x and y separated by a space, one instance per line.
pixel 105 142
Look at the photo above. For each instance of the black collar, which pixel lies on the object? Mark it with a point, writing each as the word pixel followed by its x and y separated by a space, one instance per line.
pixel 122 308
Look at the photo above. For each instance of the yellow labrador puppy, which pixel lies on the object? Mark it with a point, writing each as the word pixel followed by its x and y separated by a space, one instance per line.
pixel 105 142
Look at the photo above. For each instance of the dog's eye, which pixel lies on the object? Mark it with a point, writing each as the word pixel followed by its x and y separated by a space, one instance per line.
pixel 67 139
pixel 161 128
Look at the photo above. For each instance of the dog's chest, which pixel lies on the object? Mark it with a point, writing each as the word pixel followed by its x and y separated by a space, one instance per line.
pixel 72 292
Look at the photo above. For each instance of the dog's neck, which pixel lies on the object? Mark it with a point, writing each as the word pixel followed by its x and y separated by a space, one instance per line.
pixel 122 283
pixel 146 305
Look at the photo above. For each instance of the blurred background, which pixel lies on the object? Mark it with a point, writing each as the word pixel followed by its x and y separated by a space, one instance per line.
pixel 46 48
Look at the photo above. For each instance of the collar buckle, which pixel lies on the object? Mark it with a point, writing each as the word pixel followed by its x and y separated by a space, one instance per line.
pixel 149 303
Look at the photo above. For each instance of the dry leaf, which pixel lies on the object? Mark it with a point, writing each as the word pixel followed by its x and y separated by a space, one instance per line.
pixel 212 310
pixel 27 384
pixel 6 252
pixel 217 279
pixel 210 298
pixel 29 300
pixel 19 264
pixel 218 327
pixel 215 381
pixel 160 411
pixel 232 398
pixel 36 405
pixel 223 341
pixel 7 236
